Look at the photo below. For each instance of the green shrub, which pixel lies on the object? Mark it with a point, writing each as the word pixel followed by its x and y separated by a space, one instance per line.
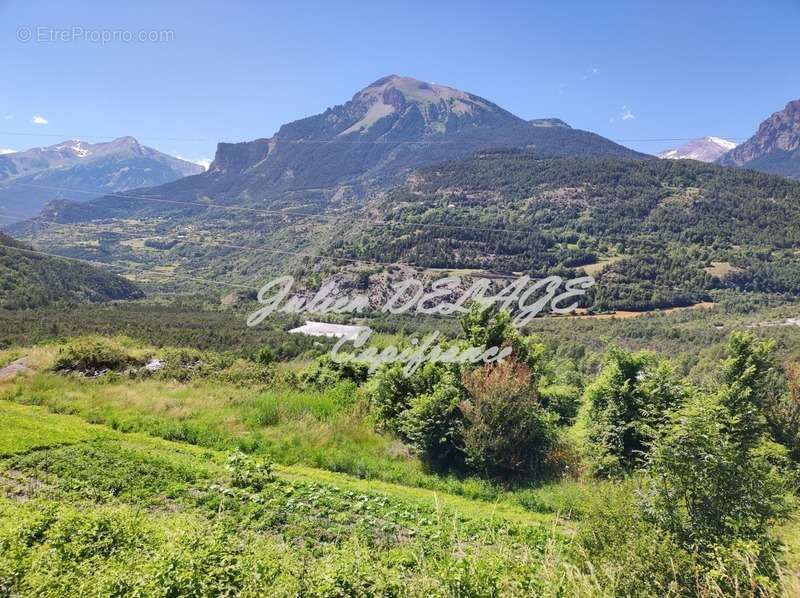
pixel 561 399
pixel 245 373
pixel 392 392
pixel 92 354
pixel 265 356
pixel 628 402
pixel 708 488
pixel 718 483
pixel 249 473
pixel 327 372
pixel 432 424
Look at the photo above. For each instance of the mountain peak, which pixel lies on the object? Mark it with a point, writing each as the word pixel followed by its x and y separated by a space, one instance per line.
pixel 76 147
pixel 776 145
pixel 413 90
pixel 117 165
pixel 126 142
pixel 409 99
pixel 705 149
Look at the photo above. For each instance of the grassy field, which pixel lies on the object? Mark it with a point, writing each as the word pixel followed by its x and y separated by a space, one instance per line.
pixel 214 478
pixel 323 429
pixel 91 511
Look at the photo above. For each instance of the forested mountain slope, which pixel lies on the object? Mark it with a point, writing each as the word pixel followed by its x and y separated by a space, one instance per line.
pixel 29 279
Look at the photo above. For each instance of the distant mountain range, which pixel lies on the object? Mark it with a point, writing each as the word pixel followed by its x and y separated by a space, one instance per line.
pixel 394 124
pixel 706 149
pixel 29 279
pixel 430 176
pixel 79 171
pixel 775 148
pixel 387 129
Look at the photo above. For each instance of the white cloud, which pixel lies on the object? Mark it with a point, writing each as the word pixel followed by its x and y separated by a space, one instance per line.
pixel 204 162
pixel 590 73
pixel 8 117
pixel 5 150
pixel 627 114
pixel 39 120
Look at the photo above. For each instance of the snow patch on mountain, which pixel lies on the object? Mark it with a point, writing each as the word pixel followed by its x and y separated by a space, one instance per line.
pixel 706 149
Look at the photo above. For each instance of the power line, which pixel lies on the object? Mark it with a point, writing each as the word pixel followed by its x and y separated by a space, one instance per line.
pixel 342 141
pixel 282 212
pixel 206 243
pixel 231 246
pixel 140 270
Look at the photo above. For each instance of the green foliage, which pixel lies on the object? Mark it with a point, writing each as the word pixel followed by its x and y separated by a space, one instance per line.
pixel 620 550
pixel 249 473
pixel 718 482
pixel 327 372
pixel 628 402
pixel 484 419
pixel 486 326
pixel 562 399
pixel 93 354
pixel 747 377
pixel 265 356
pixel 29 280
pixel 393 392
pixel 709 488
pixel 432 423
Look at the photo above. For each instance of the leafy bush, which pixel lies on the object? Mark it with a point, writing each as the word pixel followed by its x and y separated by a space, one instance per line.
pixel 245 373
pixel 561 399
pixel 708 487
pixel 249 473
pixel 265 356
pixel 485 326
pixel 506 431
pixel 92 354
pixel 392 393
pixel 327 372
pixel 432 424
pixel 628 403
pixel 718 484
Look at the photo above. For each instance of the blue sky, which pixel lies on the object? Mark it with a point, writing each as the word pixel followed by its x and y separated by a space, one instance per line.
pixel 236 71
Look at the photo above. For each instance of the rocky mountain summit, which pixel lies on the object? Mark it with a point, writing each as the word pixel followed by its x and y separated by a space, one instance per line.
pixel 775 148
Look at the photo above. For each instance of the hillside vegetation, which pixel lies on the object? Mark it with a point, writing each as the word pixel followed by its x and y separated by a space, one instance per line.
pixel 655 233
pixel 29 279
pixel 659 226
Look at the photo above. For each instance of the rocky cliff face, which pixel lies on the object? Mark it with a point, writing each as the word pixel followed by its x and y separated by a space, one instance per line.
pixel 775 147
pixel 394 124
pixel 348 151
